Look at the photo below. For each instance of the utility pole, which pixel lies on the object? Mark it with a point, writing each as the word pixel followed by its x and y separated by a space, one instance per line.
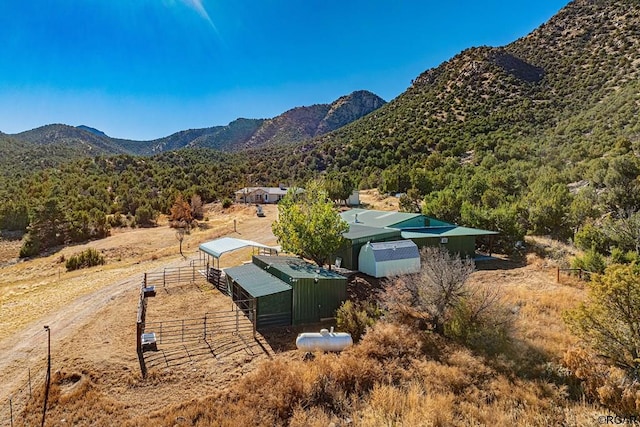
pixel 46 390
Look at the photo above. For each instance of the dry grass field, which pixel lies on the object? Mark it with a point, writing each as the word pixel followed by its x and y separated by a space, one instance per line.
pixel 395 376
pixel 92 312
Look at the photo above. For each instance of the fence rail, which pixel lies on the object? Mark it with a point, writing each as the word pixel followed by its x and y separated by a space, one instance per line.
pixel 172 276
pixel 236 321
pixel 239 321
pixel 582 274
pixel 12 410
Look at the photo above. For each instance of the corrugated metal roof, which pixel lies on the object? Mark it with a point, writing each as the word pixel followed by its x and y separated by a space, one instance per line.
pixel 256 281
pixel 277 191
pixel 218 247
pixel 446 231
pixel 297 268
pixel 378 219
pixel 358 231
pixel 390 251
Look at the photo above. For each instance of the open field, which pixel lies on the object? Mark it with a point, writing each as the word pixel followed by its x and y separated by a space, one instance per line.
pixel 92 312
pixel 92 318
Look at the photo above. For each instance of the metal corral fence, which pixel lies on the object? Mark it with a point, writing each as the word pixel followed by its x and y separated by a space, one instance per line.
pixel 12 410
pixel 183 275
pixel 236 321
pixel 172 276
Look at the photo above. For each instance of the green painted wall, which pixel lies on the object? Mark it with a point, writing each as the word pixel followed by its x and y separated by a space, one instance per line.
pixel 274 309
pixel 351 252
pixel 271 310
pixel 314 301
pixel 463 245
pixel 311 300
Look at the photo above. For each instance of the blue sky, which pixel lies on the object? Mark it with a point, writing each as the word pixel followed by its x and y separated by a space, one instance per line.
pixel 143 69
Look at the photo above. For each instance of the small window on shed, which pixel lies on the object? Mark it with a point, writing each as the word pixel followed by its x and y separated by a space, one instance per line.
pixel 444 240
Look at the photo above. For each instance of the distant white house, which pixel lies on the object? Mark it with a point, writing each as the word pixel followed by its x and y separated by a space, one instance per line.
pixel 262 194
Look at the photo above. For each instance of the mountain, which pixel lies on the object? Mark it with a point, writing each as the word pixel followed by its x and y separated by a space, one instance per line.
pixel 85 142
pixel 303 123
pixel 515 101
pixel 295 125
pixel 92 130
pixel 292 126
pixel 347 109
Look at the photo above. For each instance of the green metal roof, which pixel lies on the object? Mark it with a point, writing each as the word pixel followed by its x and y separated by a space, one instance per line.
pixel 358 231
pixel 256 281
pixel 378 219
pixel 297 268
pixel 446 231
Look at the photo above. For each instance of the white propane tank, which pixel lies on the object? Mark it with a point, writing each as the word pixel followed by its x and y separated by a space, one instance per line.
pixel 323 341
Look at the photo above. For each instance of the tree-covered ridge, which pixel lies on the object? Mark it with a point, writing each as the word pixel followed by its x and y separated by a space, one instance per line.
pixel 85 142
pixel 539 136
pixel 587 49
pixel 292 126
pixel 82 199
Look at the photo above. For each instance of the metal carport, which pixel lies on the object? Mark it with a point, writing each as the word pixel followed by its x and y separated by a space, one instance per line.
pixel 216 248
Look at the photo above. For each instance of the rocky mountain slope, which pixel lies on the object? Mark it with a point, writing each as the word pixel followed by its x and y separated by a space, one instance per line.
pixel 293 126
pixel 514 101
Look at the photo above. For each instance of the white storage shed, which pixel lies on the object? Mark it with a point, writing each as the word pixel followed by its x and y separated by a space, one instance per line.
pixel 387 259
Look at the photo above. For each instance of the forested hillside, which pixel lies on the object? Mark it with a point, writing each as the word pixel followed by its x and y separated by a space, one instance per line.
pixel 540 136
pixel 500 137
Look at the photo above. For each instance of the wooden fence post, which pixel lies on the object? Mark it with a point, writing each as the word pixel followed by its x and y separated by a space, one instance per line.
pixel 557 274
pixel 139 337
pixel 205 326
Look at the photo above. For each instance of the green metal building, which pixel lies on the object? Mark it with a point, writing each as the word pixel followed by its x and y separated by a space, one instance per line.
pixel 458 240
pixel 380 226
pixel 382 219
pixel 273 297
pixel 317 292
pixel 358 236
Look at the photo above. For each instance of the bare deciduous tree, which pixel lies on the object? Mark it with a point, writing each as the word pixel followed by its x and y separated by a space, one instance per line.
pixel 434 291
pixel 197 207
pixel 180 232
pixel 441 296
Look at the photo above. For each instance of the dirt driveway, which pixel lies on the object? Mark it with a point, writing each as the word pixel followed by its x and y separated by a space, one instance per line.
pixel 92 312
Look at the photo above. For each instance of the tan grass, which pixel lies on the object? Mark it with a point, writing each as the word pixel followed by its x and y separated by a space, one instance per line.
pixel 395 376
pixel 384 381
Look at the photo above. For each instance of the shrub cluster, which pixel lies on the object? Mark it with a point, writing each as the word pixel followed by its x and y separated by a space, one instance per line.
pixel 85 259
pixel 356 317
pixel 226 203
